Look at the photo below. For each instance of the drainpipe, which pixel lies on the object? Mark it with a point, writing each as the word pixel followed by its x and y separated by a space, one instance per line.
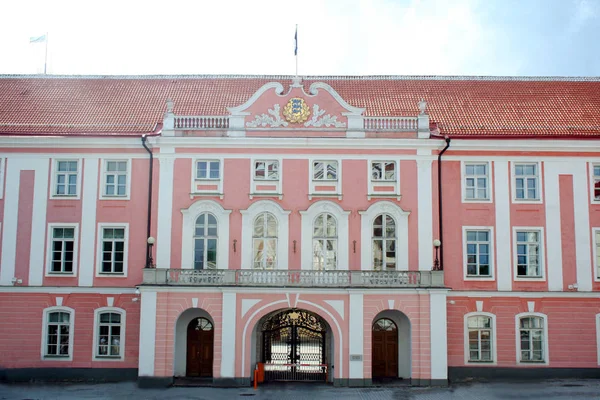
pixel 440 203
pixel 148 245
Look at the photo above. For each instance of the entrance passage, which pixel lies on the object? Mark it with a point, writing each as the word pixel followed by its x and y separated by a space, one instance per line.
pixel 385 349
pixel 294 347
pixel 200 339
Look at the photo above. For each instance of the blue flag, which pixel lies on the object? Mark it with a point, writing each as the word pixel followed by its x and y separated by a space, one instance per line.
pixel 296 40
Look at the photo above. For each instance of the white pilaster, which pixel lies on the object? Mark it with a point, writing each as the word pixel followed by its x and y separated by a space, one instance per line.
pixel 503 247
pixel 438 336
pixel 165 212
pixel 10 220
pixel 147 334
pixel 425 214
pixel 88 221
pixel 38 220
pixel 356 336
pixel 553 233
pixel 581 204
pixel 228 336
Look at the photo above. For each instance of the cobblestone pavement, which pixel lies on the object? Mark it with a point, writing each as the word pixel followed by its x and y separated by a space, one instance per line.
pixel 547 390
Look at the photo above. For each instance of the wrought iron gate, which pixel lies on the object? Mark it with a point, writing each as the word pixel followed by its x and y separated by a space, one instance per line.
pixel 294 347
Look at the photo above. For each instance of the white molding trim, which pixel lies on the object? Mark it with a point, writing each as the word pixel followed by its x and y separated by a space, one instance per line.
pixel 598 336
pixel 553 225
pixel 491 255
pixel 503 246
pixel 2 173
pixel 102 180
pixel 283 232
pixel 122 334
pixel 164 214
pixel 53 172
pixel 463 186
pixel 210 182
pixel 438 333
pixel 116 225
pixel 87 252
pixel 48 248
pixel 581 218
pixel 308 218
pixel 147 333
pixel 539 180
pixel 38 220
pixel 366 220
pixel 494 339
pixel 45 322
pixel 529 295
pixel 425 214
pixel 542 252
pixel 371 184
pixel 518 339
pixel 228 332
pixel 189 221
pixel 254 183
pixel 595 265
pixel 67 290
pixel 356 335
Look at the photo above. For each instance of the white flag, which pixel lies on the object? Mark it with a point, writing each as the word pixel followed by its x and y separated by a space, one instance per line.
pixel 37 39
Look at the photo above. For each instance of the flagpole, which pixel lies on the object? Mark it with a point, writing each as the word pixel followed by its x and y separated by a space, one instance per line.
pixel 296 50
pixel 46 55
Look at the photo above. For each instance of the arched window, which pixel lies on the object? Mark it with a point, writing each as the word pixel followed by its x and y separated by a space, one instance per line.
pixel 57 334
pixel 384 325
pixel 384 243
pixel 205 242
pixel 109 328
pixel 325 242
pixel 532 338
pixel 480 334
pixel 264 241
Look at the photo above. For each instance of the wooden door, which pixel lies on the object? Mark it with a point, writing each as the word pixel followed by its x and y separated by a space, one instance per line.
pixel 200 339
pixel 384 349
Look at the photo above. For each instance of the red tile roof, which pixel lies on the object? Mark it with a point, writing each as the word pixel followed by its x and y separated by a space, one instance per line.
pixel 134 105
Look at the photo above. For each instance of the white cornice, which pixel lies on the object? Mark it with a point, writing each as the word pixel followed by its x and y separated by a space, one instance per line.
pixel 66 290
pixel 524 294
pixel 71 142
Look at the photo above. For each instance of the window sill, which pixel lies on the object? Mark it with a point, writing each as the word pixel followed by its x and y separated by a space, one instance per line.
pixel 53 273
pixel 206 194
pixel 111 275
pixel 490 362
pixel 480 278
pixel 106 197
pixel 265 194
pixel 384 196
pixel 532 362
pixel 313 195
pixel 108 358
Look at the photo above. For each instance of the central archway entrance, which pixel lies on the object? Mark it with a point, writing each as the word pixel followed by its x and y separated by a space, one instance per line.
pixel 200 339
pixel 294 346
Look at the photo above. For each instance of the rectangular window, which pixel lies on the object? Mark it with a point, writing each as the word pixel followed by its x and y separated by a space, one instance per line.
pixel 383 171
pixel 597 237
pixel 66 178
pixel 109 335
pixel 113 251
pixel 57 334
pixel 476 181
pixel 596 182
pixel 115 178
pixel 526 182
pixel 325 170
pixel 62 250
pixel 208 169
pixel 478 253
pixel 531 331
pixel 266 170
pixel 480 338
pixel 528 254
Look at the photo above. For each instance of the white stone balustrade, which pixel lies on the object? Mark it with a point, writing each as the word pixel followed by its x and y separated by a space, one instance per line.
pixel 390 124
pixel 201 122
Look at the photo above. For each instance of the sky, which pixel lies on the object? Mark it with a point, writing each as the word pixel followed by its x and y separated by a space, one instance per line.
pixel 335 37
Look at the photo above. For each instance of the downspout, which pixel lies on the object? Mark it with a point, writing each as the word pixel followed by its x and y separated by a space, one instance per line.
pixel 440 202
pixel 148 245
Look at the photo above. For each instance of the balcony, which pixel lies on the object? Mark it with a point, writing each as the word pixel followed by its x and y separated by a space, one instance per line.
pixel 290 278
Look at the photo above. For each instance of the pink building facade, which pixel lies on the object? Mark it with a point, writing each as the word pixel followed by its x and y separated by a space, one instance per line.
pixel 349 230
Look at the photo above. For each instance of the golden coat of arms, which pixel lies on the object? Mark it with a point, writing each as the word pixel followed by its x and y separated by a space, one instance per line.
pixel 296 111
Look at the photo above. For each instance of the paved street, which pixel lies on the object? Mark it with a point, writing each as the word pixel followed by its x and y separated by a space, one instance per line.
pixel 554 390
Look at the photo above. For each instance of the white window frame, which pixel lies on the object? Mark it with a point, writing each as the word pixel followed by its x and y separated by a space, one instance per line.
pixel 256 182
pixel 97 312
pixel 598 336
pixel 283 231
pixel 542 254
pixel 45 323
pixel 394 183
pixel 105 173
pixel 264 238
pixel 492 254
pixel 2 173
pixel 366 236
pixel 593 182
pixel 596 253
pixel 546 357
pixel 190 215
pixel 208 181
pixel 100 241
pixel 467 353
pixel 55 172
pixel 49 242
pixel 539 186
pixel 314 183
pixel 488 177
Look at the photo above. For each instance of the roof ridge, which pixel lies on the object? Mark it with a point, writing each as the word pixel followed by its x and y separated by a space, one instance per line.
pixel 320 77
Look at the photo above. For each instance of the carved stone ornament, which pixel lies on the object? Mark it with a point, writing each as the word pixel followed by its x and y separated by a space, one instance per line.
pixel 422 106
pixel 264 120
pixel 296 111
pixel 319 120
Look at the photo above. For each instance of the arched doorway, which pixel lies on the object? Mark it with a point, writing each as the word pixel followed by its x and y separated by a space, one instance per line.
pixel 294 346
pixel 385 349
pixel 200 339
